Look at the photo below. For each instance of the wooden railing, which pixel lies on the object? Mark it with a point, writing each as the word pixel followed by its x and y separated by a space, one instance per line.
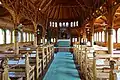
pixel 88 59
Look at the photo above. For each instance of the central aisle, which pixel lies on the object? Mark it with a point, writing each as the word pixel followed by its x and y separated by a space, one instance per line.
pixel 62 68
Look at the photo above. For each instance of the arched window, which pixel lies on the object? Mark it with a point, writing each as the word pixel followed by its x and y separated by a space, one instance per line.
pixel 114 35
pixel 99 36
pixel 118 35
pixel 8 36
pixel 24 37
pixel 103 36
pixel 50 24
pixel 1 36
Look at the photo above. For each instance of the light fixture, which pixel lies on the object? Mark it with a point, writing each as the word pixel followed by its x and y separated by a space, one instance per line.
pixel 39 8
pixel 0 2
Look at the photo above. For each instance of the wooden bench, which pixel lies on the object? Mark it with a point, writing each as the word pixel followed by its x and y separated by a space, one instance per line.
pixel 17 69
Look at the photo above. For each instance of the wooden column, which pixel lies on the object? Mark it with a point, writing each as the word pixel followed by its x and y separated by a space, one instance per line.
pixel 35 34
pixel 110 40
pixel 92 32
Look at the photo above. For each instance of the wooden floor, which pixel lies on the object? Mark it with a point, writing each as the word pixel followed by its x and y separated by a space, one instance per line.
pixel 62 68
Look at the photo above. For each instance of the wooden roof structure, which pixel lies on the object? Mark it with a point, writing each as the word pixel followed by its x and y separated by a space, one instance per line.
pixel 33 12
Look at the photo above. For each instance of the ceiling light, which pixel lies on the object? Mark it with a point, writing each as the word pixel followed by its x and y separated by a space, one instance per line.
pixel 39 8
pixel 0 2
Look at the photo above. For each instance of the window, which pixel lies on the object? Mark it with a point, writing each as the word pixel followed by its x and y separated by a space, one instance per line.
pixel 30 37
pixel 63 24
pixel 52 40
pixel 45 40
pixel 118 35
pixel 55 24
pixel 1 36
pixel 8 36
pixel 24 37
pixel 99 36
pixel 75 39
pixel 114 35
pixel 95 36
pixel 60 24
pixel 103 36
pixel 76 23
pixel 13 37
pixel 19 37
pixel 50 24
pixel 27 37
pixel 67 24
pixel 71 24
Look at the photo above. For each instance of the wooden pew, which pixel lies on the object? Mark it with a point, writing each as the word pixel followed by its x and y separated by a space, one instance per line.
pixel 89 67
pixel 35 59
pixel 23 69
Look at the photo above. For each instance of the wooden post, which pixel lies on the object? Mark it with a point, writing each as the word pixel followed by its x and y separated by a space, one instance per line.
pixel 27 67
pixel 16 38
pixel 110 40
pixel 5 75
pixel 86 78
pixel 94 67
pixel 111 75
pixel 92 33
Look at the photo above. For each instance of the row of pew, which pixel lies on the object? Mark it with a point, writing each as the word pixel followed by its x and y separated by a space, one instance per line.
pixel 96 64
pixel 29 64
